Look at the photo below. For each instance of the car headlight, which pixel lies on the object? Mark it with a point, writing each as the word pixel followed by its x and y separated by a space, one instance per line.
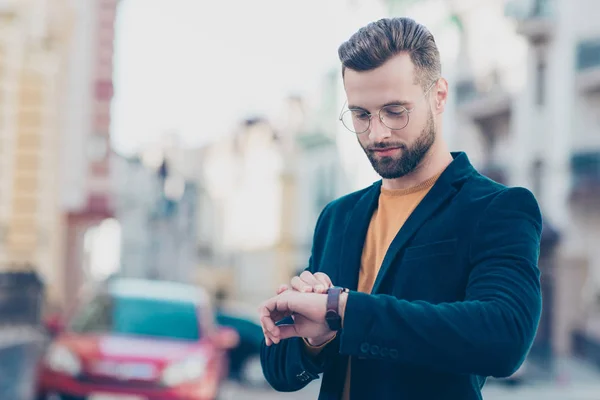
pixel 184 371
pixel 60 359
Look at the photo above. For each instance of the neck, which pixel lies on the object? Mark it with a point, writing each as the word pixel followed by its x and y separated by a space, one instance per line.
pixel 435 161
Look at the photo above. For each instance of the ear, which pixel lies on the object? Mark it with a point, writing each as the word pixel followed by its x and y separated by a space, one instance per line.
pixel 440 96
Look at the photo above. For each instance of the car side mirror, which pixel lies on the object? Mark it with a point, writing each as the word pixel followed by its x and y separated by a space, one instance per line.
pixel 226 338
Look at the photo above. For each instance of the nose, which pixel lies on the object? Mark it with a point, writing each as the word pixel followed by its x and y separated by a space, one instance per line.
pixel 378 131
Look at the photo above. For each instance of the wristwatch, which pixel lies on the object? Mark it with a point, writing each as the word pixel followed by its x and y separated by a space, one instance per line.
pixel 332 316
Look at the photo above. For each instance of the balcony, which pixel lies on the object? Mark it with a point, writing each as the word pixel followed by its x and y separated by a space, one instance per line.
pixel 535 18
pixel 588 65
pixel 585 177
pixel 484 101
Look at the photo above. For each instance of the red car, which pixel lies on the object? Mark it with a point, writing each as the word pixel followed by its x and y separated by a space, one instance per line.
pixel 138 340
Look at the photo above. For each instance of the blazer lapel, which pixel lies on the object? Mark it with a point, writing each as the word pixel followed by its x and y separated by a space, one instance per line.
pixel 355 232
pixel 438 195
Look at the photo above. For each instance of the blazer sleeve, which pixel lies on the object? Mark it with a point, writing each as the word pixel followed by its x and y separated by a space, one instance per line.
pixel 288 366
pixel 487 334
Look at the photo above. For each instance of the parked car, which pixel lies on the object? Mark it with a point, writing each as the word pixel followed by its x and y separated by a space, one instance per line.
pixel 245 366
pixel 138 340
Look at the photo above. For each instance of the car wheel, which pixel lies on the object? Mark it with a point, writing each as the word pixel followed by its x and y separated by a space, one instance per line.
pixel 251 372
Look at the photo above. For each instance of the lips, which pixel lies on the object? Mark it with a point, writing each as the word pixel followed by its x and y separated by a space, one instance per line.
pixel 388 151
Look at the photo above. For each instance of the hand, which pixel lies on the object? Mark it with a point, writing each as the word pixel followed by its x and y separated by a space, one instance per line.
pixel 307 309
pixel 307 282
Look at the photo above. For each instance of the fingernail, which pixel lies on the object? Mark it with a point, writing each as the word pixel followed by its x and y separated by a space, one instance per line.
pixel 307 289
pixel 320 288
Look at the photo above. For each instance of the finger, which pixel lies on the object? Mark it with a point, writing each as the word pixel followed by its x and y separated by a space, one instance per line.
pixel 266 334
pixel 273 311
pixel 287 331
pixel 301 286
pixel 309 278
pixel 324 282
pixel 268 341
pixel 282 288
pixel 271 337
pixel 267 323
pixel 266 320
pixel 274 332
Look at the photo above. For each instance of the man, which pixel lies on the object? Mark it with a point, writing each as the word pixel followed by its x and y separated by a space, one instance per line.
pixel 435 266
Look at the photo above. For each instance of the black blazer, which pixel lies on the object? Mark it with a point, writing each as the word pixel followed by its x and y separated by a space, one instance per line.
pixel 457 297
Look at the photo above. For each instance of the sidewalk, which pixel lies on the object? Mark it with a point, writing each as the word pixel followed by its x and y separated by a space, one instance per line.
pixel 572 379
pixel 572 370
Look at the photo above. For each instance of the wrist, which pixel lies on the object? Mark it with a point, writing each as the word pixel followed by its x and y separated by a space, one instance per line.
pixel 321 340
pixel 343 301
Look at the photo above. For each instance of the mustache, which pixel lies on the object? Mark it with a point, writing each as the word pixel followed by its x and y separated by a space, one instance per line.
pixel 386 146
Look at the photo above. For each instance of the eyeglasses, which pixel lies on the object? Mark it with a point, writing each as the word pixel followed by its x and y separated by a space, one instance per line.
pixel 393 116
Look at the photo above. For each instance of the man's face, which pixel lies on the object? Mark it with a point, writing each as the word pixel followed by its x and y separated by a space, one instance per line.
pixel 393 153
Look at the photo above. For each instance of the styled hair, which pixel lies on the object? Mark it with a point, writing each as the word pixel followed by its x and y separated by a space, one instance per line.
pixel 374 44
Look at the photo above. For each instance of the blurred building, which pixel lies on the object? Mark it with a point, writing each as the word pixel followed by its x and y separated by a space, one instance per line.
pixel 156 209
pixel 546 136
pixel 261 191
pixel 563 99
pixel 137 191
pixel 85 157
pixel 244 177
pixel 55 93
pixel 526 112
pixel 318 175
pixel 34 45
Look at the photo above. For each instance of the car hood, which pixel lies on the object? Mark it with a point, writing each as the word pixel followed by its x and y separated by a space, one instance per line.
pixel 131 347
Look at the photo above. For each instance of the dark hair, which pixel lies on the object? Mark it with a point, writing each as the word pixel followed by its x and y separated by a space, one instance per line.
pixel 372 45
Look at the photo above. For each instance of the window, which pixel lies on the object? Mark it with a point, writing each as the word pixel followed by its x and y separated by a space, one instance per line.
pixel 139 317
pixel 540 85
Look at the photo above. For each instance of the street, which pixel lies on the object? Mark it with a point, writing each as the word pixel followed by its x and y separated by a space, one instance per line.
pixel 545 391
pixel 575 380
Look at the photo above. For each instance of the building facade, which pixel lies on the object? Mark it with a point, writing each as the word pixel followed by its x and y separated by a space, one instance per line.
pixel 85 174
pixel 262 190
pixel 524 80
pixel 156 210
pixel 34 45
pixel 55 94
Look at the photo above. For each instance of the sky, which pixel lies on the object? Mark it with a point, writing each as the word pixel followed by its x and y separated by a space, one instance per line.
pixel 197 67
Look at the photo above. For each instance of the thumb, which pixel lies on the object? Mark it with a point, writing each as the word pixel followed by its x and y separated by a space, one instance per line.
pixel 287 331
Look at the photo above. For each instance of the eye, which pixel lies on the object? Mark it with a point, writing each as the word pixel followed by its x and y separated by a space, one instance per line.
pixel 360 115
pixel 394 111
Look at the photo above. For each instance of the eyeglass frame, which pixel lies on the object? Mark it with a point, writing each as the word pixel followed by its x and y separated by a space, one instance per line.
pixel 342 112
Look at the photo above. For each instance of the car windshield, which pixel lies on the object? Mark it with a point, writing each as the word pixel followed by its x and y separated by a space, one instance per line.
pixel 138 316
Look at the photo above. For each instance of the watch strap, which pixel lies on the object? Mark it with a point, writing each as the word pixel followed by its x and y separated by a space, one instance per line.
pixel 332 315
pixel 333 299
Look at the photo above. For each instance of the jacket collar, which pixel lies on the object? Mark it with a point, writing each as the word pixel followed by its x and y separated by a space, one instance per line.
pixel 355 231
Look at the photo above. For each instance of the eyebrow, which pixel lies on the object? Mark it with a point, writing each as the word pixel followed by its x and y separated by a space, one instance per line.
pixel 403 103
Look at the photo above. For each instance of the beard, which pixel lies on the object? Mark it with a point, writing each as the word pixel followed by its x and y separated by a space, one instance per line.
pixel 410 156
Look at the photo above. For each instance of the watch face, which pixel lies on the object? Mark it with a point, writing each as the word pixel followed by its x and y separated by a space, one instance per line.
pixel 333 320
